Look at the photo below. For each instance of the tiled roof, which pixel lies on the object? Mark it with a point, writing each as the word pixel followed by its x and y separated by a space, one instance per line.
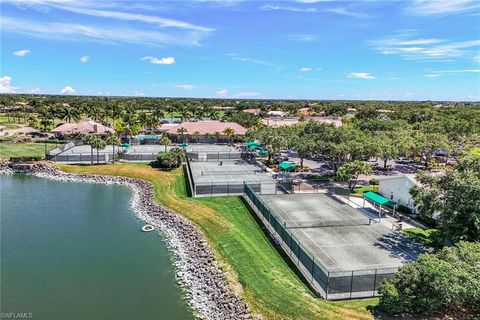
pixel 252 110
pixel 81 127
pixel 204 127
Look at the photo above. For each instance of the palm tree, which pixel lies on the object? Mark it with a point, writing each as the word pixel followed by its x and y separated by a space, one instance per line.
pixel 97 143
pixel 181 131
pixel 89 140
pixel 70 113
pixel 230 133
pixel 165 141
pixel 113 140
pixel 215 114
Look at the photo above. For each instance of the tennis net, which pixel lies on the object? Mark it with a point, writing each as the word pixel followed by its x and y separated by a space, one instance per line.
pixel 226 173
pixel 327 223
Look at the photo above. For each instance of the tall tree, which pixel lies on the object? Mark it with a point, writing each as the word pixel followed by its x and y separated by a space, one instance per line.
pixel 230 133
pixel 165 141
pixel 454 198
pixel 351 171
pixel 113 140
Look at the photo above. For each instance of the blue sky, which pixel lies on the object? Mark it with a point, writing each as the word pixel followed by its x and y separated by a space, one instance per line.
pixel 305 49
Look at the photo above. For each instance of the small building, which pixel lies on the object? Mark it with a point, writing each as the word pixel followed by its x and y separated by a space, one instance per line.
pixel 209 131
pixel 253 111
pixel 85 127
pixel 306 112
pixel 276 113
pixel 351 110
pixel 275 123
pixel 397 188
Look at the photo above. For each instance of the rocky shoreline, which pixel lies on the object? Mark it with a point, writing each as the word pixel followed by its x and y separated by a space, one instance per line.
pixel 197 271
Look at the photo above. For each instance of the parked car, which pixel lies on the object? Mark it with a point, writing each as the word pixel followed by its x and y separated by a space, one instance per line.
pixel 373 163
pixel 319 157
pixel 280 158
pixel 404 161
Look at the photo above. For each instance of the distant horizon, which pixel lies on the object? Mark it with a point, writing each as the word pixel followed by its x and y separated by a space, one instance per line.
pixel 412 50
pixel 229 99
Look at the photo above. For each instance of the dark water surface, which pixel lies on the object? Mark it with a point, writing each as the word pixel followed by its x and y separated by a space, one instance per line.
pixel 75 251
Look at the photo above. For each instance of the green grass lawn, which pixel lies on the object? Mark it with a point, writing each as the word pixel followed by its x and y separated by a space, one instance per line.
pixel 255 268
pixel 428 238
pixel 8 150
pixel 362 190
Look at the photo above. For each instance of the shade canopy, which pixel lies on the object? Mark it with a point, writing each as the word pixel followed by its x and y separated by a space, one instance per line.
pixel 263 152
pixel 254 147
pixel 378 199
pixel 125 145
pixel 250 144
pixel 287 166
pixel 183 145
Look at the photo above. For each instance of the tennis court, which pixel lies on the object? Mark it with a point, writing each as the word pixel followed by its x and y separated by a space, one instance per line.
pixel 211 178
pixel 86 149
pixel 147 148
pixel 341 253
pixel 341 237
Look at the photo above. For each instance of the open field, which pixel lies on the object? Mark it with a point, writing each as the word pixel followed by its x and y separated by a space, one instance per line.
pixel 255 268
pixel 8 150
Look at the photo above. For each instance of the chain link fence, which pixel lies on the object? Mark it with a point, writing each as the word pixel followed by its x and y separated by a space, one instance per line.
pixel 330 285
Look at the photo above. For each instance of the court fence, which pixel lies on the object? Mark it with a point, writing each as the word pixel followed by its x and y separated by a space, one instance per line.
pixel 102 157
pixel 211 189
pixel 330 285
pixel 216 156
pixel 139 157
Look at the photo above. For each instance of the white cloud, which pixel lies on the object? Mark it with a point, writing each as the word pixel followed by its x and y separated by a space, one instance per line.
pixel 441 7
pixel 246 94
pixel 185 86
pixel 269 7
pixel 305 69
pixel 5 85
pixel 337 10
pixel 346 12
pixel 21 53
pixel 303 37
pixel 84 59
pixel 426 49
pixel 87 8
pixel 36 91
pixel 238 57
pixel 432 75
pixel 222 93
pixel 68 90
pixel 458 71
pixel 165 60
pixel 138 94
pixel 101 33
pixel 361 75
pixel 312 1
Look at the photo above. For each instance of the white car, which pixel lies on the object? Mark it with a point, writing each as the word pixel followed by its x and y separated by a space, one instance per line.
pixel 404 161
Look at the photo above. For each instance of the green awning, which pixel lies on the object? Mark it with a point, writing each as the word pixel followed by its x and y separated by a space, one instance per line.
pixel 183 145
pixel 125 145
pixel 251 143
pixel 263 152
pixel 254 147
pixel 287 166
pixel 378 199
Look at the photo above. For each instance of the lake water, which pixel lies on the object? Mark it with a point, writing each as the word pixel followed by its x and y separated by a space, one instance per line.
pixel 75 251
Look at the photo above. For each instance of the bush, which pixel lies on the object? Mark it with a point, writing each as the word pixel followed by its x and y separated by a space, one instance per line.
pixel 446 281
pixel 374 182
pixel 170 160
